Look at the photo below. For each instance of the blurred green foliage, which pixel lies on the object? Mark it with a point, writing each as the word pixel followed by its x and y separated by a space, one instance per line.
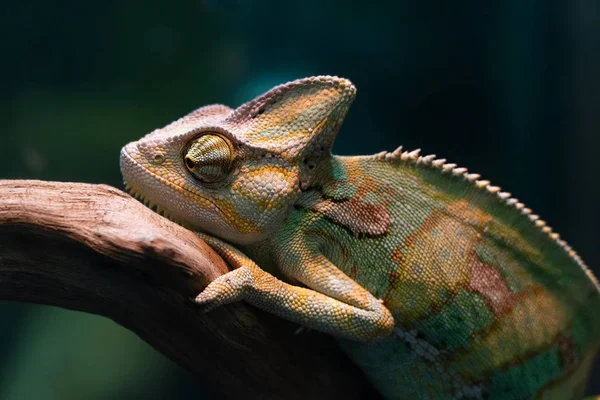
pixel 66 355
pixel 509 89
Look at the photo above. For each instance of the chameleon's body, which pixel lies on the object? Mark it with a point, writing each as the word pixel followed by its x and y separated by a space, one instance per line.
pixel 468 295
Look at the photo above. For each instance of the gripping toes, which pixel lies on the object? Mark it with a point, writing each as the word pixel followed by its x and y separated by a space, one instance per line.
pixel 361 317
pixel 225 289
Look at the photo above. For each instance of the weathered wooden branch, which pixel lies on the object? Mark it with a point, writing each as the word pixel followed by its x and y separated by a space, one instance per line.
pixel 95 249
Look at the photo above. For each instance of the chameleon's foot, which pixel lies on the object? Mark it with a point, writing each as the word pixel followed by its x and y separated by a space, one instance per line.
pixel 225 289
pixel 361 317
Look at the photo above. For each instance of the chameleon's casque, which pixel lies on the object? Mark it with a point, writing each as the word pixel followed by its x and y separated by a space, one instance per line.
pixel 437 284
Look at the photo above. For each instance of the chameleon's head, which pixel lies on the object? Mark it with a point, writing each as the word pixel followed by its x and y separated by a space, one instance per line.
pixel 236 173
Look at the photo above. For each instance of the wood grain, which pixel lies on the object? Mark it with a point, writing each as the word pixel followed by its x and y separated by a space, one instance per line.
pixel 93 248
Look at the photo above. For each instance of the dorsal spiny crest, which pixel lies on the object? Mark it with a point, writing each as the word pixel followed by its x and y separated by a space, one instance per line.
pixel 413 158
pixel 209 158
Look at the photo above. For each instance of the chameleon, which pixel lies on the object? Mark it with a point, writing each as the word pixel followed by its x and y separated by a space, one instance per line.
pixel 437 284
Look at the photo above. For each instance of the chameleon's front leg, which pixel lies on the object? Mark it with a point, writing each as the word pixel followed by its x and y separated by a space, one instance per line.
pixel 354 313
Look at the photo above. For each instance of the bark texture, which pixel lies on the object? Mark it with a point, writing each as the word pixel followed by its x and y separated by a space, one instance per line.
pixel 93 248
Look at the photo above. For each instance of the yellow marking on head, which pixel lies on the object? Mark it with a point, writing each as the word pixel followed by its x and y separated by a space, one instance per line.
pixel 282 114
pixel 294 113
pixel 234 219
pixel 319 126
pixel 225 208
pixel 277 135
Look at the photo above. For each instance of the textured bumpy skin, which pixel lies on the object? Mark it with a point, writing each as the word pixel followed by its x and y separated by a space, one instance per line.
pixel 437 284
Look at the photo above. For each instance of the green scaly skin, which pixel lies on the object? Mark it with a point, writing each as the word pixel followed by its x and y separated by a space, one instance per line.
pixel 437 284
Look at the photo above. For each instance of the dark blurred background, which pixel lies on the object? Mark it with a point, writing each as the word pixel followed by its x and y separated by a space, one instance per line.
pixel 510 89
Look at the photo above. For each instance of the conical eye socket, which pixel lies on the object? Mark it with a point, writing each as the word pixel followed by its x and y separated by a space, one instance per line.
pixel 209 158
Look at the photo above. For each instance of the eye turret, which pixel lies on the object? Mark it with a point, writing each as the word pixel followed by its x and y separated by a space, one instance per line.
pixel 209 158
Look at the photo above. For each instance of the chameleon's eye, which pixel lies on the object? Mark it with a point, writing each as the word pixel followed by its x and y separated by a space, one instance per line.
pixel 209 158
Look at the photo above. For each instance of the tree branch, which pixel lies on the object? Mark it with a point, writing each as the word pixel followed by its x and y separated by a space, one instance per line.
pixel 95 249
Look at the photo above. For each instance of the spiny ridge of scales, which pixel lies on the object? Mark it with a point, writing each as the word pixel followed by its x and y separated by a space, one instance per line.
pixel 414 157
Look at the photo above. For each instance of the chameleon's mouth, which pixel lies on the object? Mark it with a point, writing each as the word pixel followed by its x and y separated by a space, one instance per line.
pixel 148 203
pixel 142 197
pixel 153 206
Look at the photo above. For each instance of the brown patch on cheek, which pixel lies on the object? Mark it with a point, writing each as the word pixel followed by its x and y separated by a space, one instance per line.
pixel 367 219
pixel 487 281
pixel 355 211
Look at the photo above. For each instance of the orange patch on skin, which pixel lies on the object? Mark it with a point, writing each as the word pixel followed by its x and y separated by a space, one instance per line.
pixel 469 213
pixel 435 259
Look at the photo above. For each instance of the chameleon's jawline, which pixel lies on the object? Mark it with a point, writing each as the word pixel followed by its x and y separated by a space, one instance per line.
pixel 128 162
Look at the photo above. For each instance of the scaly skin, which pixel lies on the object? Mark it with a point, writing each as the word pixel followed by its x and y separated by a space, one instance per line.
pixel 438 285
